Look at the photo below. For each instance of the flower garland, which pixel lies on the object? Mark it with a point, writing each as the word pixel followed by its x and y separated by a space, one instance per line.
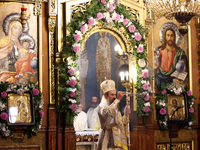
pixel 161 107
pixel 104 12
pixel 5 88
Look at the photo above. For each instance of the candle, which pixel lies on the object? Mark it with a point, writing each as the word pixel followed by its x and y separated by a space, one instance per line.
pixel 127 76
pixel 122 76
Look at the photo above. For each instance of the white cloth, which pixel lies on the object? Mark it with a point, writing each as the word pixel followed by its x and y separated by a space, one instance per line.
pixel 113 134
pixel 80 121
pixel 93 119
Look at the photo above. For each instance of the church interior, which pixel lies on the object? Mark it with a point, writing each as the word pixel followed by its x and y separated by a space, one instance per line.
pixel 54 55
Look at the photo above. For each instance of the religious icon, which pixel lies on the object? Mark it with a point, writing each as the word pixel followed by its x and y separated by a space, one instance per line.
pixel 20 108
pixel 176 107
pixel 18 52
pixel 103 58
pixel 170 61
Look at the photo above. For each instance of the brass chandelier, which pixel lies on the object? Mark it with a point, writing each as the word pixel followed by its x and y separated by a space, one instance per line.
pixel 181 10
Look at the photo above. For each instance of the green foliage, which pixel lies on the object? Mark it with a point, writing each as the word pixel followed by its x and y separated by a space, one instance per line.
pixel 161 103
pixel 95 7
pixel 31 130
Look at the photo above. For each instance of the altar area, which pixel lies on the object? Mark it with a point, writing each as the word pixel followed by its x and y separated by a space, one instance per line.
pixel 86 140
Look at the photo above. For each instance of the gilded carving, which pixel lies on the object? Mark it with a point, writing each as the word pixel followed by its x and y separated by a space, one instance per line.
pixel 52 24
pixel 53 6
pixel 38 9
pixel 160 147
pixel 79 8
pixel 119 33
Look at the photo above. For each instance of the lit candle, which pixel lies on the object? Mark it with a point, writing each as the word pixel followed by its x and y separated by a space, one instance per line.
pixel 127 76
pixel 122 76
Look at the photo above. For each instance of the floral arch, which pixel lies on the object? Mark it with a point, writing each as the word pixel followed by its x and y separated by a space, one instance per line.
pixel 111 16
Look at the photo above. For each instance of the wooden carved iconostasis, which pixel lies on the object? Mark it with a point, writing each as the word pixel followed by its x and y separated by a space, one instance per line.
pixel 91 64
pixel 25 101
pixel 182 137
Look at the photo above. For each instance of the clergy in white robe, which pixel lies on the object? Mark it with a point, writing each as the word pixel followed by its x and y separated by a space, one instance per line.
pixel 80 121
pixel 92 115
pixel 113 132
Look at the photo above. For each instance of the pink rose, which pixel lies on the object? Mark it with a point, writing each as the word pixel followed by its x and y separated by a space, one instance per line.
pixel 4 116
pixel 3 94
pixel 111 8
pixel 163 92
pixel 99 15
pixel 145 74
pixel 91 22
pixel 191 110
pixel 146 109
pixel 162 111
pixel 125 21
pixel 72 82
pixel 131 28
pixel 117 2
pixel 103 1
pixel 83 29
pixel 74 107
pixel 140 49
pixel 145 86
pixel 138 37
pixel 146 98
pixel 41 113
pixel 77 48
pixel 72 94
pixel 77 37
pixel 189 93
pixel 35 92
pixel 117 17
pixel 71 72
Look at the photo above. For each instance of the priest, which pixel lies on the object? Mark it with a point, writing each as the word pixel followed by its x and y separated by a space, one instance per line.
pixel 113 132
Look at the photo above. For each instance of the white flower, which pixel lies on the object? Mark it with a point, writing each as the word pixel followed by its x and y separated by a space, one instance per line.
pixel 143 81
pixel 190 123
pixel 177 91
pixel 72 78
pixel 73 90
pixel 41 104
pixel 81 23
pixel 162 104
pixel 114 14
pixel 3 129
pixel 72 101
pixel 111 1
pixel 70 61
pixel 78 32
pixel 106 15
pixel 109 20
pixel 165 123
pixel 39 126
pixel 121 18
pixel 147 104
pixel 130 23
pixel 2 106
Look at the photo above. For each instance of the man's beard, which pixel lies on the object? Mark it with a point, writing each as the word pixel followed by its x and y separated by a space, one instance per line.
pixel 94 104
pixel 170 43
pixel 110 101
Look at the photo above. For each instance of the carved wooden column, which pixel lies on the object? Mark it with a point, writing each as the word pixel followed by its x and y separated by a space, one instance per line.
pixel 52 116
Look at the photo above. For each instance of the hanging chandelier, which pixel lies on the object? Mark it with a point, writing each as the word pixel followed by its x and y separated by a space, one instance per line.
pixel 181 10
